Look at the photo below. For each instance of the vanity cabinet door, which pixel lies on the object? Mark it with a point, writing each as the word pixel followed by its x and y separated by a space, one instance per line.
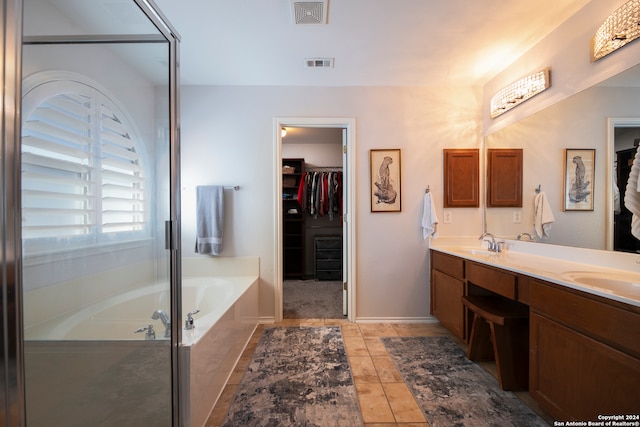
pixel 461 178
pixel 446 302
pixel 573 376
pixel 504 178
pixel 584 353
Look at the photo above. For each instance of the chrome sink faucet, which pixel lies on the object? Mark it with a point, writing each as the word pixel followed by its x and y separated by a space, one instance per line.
pixel 529 236
pixel 160 314
pixel 492 245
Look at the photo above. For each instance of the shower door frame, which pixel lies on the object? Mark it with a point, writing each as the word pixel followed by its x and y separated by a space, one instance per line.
pixel 13 407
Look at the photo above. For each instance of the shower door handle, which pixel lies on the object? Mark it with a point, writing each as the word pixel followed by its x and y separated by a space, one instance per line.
pixel 169 238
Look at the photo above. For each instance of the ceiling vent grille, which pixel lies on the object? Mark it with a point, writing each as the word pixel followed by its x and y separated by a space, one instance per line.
pixel 319 62
pixel 309 12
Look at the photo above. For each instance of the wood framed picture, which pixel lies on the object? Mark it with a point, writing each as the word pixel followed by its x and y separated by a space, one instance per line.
pixel 579 168
pixel 385 180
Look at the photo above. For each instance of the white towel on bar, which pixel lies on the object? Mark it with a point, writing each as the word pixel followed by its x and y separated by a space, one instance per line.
pixel 543 215
pixel 632 196
pixel 209 219
pixel 429 218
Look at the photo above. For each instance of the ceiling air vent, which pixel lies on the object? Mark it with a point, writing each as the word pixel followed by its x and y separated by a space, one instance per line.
pixel 319 62
pixel 309 12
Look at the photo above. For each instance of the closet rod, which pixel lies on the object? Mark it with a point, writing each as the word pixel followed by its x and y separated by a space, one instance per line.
pixel 324 169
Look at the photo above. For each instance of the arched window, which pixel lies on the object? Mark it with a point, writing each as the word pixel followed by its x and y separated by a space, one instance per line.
pixel 83 180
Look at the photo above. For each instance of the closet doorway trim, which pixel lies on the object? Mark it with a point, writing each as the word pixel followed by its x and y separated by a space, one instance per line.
pixel 349 124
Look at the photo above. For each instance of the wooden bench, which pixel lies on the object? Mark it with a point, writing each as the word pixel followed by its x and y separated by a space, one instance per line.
pixel 505 324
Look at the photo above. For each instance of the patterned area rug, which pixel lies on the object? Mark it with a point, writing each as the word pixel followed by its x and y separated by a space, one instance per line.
pixel 298 376
pixel 453 391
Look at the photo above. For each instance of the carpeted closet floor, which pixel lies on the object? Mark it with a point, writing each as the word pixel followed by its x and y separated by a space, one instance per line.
pixel 311 299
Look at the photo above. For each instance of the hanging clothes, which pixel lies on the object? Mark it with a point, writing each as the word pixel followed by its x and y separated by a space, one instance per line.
pixel 320 193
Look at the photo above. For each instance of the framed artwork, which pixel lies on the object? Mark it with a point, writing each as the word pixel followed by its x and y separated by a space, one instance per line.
pixel 579 168
pixel 385 180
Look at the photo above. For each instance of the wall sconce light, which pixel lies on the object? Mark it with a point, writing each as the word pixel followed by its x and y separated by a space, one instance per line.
pixel 620 28
pixel 518 92
pixel 283 132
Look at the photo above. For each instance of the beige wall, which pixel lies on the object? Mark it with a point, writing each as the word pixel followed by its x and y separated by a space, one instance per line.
pixel 567 51
pixel 228 138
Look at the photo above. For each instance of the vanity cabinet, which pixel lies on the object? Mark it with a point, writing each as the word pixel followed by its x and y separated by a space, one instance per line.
pixel 584 350
pixel 461 178
pixel 447 289
pixel 504 177
pixel 584 353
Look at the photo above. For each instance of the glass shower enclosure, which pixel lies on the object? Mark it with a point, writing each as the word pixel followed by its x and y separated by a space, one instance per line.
pixel 100 219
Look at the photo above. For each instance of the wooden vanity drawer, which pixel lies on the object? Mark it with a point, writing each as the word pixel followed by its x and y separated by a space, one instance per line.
pixel 614 325
pixel 491 279
pixel 449 264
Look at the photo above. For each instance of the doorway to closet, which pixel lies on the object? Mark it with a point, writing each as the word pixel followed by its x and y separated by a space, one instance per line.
pixel 314 238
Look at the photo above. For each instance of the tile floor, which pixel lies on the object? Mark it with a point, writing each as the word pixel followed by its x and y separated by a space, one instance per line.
pixel 385 400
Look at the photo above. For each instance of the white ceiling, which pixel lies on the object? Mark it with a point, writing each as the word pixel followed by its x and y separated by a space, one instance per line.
pixel 374 42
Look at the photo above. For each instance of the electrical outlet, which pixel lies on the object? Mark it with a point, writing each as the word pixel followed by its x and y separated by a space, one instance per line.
pixel 448 217
pixel 517 217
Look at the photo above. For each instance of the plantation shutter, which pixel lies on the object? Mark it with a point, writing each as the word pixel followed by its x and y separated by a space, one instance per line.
pixel 81 172
pixel 58 186
pixel 122 178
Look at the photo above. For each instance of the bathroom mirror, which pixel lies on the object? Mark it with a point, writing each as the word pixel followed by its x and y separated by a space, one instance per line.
pixel 581 121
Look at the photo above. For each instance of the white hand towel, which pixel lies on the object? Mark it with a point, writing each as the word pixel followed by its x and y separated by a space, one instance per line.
pixel 209 219
pixel 429 218
pixel 543 215
pixel 632 197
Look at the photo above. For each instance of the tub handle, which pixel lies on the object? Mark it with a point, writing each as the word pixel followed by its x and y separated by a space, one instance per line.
pixel 151 333
pixel 189 322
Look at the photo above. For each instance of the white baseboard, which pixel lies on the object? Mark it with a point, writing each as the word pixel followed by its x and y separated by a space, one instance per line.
pixel 427 319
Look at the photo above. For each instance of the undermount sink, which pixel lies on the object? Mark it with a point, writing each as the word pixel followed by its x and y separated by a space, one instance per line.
pixel 476 251
pixel 617 283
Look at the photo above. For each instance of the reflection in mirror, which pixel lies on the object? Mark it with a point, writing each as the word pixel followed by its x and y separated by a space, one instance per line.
pixel 626 138
pixel 578 122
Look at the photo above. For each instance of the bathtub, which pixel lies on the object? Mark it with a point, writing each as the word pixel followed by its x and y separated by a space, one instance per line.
pixel 99 341
pixel 118 317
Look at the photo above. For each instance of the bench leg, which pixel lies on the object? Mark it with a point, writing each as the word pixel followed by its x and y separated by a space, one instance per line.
pixel 511 350
pixel 480 340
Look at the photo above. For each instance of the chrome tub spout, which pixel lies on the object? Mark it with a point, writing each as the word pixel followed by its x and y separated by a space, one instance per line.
pixel 160 314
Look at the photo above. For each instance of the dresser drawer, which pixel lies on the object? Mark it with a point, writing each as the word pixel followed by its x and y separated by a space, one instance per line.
pixel 449 264
pixel 328 254
pixel 491 279
pixel 329 242
pixel 328 264
pixel 332 275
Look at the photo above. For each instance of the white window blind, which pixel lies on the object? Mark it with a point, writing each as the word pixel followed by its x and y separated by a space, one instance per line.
pixel 82 175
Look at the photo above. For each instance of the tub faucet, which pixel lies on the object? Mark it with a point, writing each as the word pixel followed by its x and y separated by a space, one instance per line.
pixel 160 314
pixel 150 333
